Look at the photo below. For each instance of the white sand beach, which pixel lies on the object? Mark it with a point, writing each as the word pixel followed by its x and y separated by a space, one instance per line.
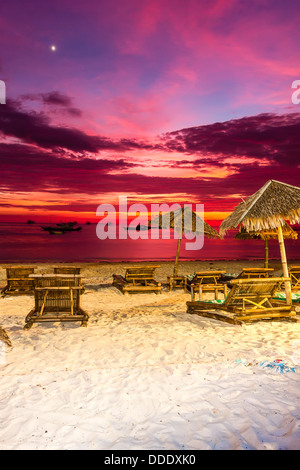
pixel 144 374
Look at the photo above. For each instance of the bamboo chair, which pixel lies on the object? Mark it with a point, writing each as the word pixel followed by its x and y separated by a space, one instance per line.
pixel 66 269
pixel 248 300
pixel 137 279
pixel 175 282
pixel 207 281
pixel 255 273
pixel 248 273
pixel 18 281
pixel 294 273
pixel 57 298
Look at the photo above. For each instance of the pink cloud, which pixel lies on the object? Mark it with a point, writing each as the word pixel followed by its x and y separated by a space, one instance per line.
pixel 150 66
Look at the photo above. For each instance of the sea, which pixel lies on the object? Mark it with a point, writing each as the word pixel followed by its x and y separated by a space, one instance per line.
pixel 29 243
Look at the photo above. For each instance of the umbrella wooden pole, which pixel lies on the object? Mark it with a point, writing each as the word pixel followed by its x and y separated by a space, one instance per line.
pixel 177 256
pixel 266 253
pixel 287 284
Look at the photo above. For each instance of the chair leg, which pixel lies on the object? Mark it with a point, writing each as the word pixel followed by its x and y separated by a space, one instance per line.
pixel 72 306
pixel 44 302
pixel 200 292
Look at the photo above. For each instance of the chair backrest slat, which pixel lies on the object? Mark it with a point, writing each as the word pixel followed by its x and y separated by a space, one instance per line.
pixel 142 273
pixel 58 288
pixel 18 277
pixel 255 272
pixel 257 289
pixel 66 270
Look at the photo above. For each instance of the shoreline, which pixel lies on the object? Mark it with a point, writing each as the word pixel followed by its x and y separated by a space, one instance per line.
pixel 152 260
pixel 182 262
pixel 103 271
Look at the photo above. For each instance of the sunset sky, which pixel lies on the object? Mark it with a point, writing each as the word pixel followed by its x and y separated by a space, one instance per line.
pixel 157 100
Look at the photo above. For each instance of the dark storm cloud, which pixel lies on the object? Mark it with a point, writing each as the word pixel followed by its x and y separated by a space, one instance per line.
pixel 265 136
pixel 54 99
pixel 35 128
pixel 27 168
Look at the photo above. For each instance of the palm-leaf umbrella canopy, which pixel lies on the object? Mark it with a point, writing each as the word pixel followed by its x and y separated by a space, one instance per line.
pixel 287 232
pixel 266 235
pixel 268 209
pixel 183 220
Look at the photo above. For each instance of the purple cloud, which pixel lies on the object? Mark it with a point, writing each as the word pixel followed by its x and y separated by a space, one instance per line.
pixel 35 128
pixel 265 136
pixel 65 160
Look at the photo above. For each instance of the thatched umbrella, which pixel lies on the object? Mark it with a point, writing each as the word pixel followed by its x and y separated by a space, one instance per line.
pixel 266 235
pixel 183 220
pixel 268 209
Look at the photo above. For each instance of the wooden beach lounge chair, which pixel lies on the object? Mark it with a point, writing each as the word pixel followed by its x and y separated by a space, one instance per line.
pixel 18 281
pixel 294 273
pixel 255 273
pixel 66 269
pixel 207 281
pixel 247 273
pixel 248 300
pixel 57 298
pixel 176 281
pixel 137 279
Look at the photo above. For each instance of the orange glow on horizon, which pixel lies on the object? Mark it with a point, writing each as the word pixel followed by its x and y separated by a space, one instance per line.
pixel 17 213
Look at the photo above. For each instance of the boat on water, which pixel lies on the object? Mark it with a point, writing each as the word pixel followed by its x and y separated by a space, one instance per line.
pixel 67 224
pixel 138 228
pixel 62 228
pixel 53 230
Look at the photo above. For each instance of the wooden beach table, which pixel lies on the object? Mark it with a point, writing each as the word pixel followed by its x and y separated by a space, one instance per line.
pixel 137 279
pixel 57 298
pixel 18 280
pixel 207 281
pixel 248 300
